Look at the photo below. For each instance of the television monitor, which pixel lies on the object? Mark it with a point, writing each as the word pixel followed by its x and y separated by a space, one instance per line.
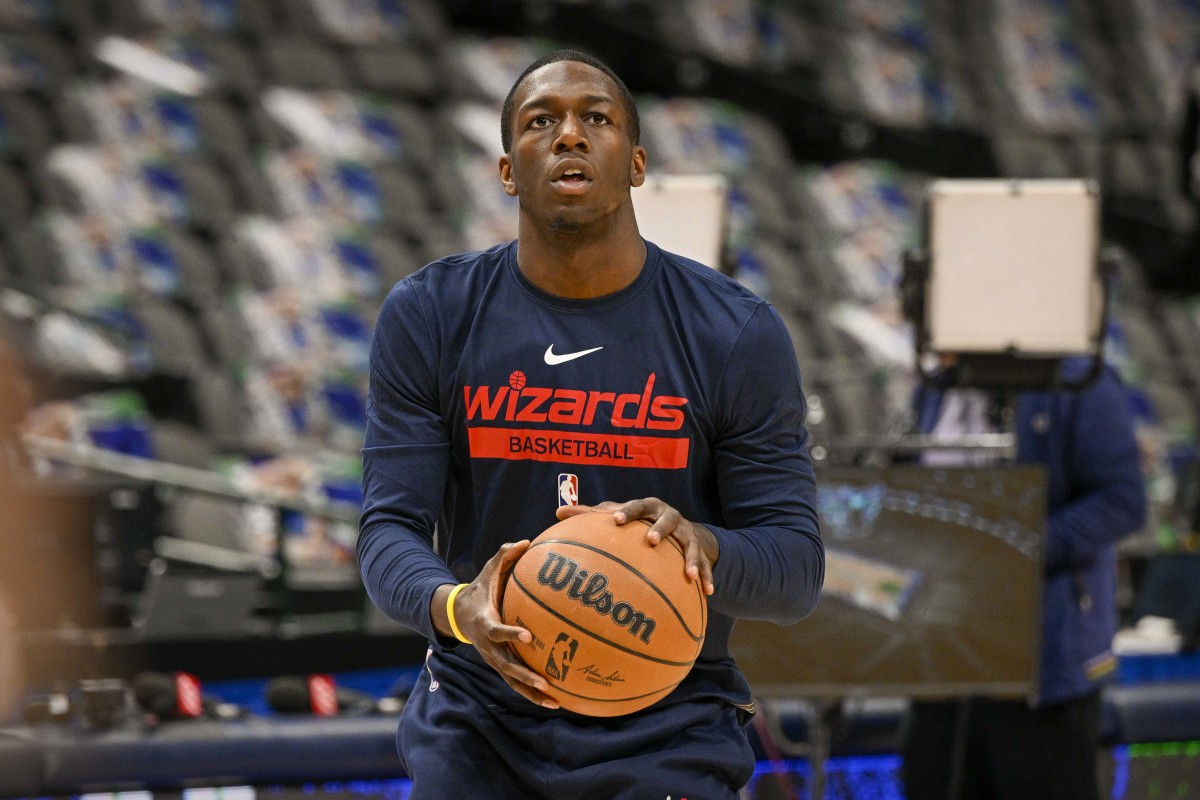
pixel 932 588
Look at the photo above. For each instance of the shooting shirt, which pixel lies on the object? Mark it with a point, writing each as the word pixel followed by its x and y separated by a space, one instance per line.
pixel 492 402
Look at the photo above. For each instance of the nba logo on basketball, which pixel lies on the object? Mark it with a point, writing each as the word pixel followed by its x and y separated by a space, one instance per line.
pixel 568 489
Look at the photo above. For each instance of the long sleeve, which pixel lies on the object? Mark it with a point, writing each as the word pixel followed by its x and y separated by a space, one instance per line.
pixel 405 462
pixel 772 561
pixel 1106 497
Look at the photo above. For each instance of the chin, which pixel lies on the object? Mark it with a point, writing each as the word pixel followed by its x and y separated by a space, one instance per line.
pixel 564 225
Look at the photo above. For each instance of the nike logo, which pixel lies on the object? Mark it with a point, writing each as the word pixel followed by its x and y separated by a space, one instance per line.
pixel 552 358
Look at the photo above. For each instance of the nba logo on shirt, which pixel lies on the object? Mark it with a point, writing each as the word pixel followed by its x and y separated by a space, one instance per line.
pixel 568 489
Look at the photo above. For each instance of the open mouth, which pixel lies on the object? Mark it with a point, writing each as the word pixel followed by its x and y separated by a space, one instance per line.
pixel 572 177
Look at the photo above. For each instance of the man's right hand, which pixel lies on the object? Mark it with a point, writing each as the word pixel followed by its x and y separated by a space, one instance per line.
pixel 477 613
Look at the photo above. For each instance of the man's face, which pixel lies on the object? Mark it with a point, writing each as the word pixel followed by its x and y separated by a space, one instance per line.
pixel 571 162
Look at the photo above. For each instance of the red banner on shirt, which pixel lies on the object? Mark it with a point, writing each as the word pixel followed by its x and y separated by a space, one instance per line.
pixel 607 450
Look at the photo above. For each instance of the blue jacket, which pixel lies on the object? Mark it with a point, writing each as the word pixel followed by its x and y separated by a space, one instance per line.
pixel 1095 496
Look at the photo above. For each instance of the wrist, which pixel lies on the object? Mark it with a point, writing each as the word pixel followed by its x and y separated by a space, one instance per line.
pixel 437 611
pixel 451 618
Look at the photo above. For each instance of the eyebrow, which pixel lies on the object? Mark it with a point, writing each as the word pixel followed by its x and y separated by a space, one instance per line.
pixel 546 102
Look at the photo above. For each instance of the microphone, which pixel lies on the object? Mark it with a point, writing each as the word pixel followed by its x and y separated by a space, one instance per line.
pixel 178 695
pixel 319 695
pixel 174 696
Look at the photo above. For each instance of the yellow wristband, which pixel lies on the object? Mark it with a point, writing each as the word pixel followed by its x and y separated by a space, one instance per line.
pixel 450 613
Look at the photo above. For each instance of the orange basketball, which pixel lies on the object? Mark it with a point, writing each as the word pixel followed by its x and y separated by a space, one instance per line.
pixel 616 624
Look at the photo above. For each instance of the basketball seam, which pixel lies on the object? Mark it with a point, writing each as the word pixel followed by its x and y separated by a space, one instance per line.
pixel 671 605
pixel 596 636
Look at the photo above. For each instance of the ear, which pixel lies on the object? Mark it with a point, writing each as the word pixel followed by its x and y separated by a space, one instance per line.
pixel 637 166
pixel 506 178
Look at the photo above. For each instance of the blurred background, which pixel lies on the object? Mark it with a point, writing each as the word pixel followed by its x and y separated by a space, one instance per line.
pixel 203 203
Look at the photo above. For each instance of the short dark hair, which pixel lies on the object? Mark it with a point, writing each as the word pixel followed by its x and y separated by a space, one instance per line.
pixel 635 123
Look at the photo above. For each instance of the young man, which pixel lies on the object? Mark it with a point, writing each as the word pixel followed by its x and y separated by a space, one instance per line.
pixel 578 354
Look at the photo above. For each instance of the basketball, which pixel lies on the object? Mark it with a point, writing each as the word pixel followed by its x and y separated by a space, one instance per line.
pixel 616 624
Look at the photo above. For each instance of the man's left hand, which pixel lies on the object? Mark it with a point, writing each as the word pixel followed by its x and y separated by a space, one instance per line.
pixel 700 547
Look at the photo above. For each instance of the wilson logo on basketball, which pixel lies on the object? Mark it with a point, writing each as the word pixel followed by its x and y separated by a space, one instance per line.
pixel 519 402
pixel 560 573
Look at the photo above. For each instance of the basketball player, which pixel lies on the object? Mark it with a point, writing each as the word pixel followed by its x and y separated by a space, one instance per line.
pixel 579 350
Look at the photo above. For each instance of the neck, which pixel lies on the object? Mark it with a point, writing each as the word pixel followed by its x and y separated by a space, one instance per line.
pixel 580 264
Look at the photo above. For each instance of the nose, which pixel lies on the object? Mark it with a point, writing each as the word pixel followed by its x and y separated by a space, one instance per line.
pixel 571 135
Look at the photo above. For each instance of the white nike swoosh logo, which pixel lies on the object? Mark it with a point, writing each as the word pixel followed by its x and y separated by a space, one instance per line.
pixel 552 358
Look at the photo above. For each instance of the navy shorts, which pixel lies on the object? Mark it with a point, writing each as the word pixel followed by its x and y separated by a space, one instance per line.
pixel 457 741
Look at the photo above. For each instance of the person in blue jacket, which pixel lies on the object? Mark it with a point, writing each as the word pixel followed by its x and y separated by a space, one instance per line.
pixel 578 367
pixel 1049 748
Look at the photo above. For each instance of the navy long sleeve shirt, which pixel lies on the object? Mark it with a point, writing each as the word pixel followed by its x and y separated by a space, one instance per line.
pixel 487 394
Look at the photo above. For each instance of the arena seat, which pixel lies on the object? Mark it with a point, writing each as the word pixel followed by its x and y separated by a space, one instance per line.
pixel 15 201
pixel 45 64
pixel 394 70
pixel 27 125
pixel 305 64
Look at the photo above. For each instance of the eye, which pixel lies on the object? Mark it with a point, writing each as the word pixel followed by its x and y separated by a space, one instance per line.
pixel 596 118
pixel 540 121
